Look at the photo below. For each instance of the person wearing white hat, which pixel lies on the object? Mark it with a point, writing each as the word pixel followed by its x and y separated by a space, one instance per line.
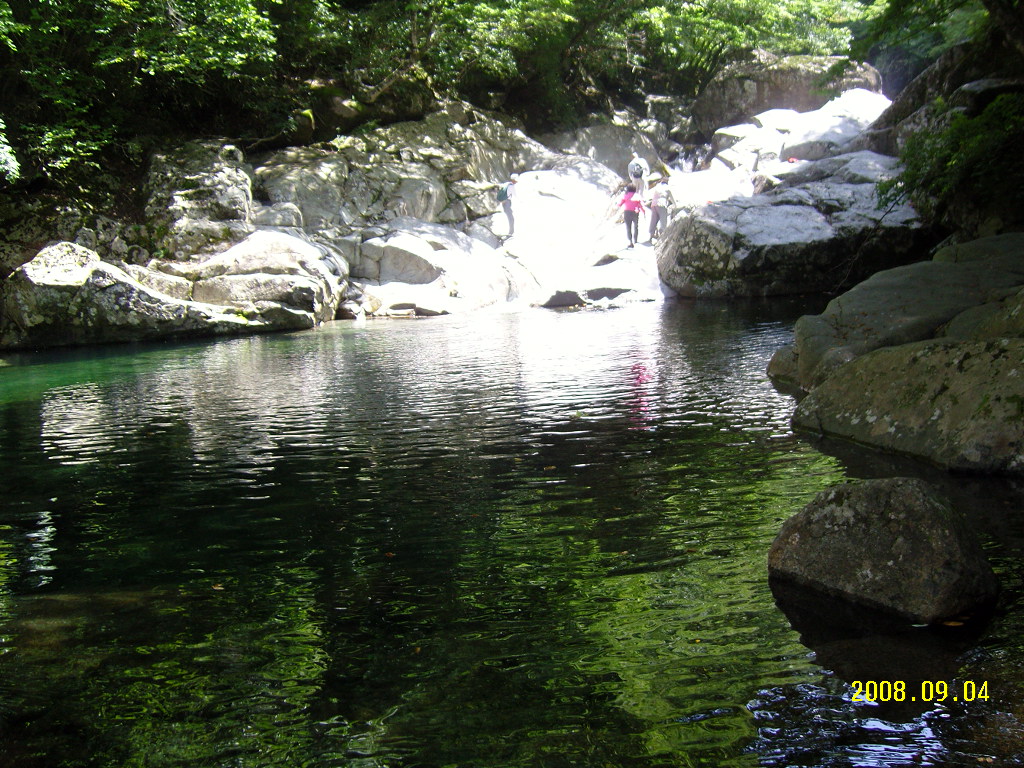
pixel 638 168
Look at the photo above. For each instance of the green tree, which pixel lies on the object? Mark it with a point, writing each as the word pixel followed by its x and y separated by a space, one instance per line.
pixel 81 75
pixel 79 79
pixel 972 163
pixel 684 43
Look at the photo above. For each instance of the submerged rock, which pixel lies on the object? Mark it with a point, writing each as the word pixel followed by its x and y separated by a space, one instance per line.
pixel 890 544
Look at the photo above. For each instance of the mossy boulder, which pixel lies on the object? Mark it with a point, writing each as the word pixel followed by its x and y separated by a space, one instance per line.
pixel 958 404
pixel 911 303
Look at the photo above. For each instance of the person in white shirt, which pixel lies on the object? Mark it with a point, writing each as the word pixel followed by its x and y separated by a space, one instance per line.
pixel 505 195
pixel 638 168
pixel 661 199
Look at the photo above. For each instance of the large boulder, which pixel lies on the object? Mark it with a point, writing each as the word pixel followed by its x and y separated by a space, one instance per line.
pixel 819 230
pixel 268 266
pixel 913 108
pixel 66 295
pixel 959 404
pixel 423 268
pixel 964 290
pixel 444 168
pixel 786 134
pixel 961 82
pixel 199 198
pixel 801 83
pixel 924 359
pixel 889 544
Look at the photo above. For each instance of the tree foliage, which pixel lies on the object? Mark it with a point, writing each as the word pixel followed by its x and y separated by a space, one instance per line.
pixel 80 78
pixel 974 161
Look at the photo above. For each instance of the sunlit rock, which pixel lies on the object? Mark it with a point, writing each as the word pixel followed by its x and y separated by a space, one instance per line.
pixel 786 134
pixel 828 131
pixel 766 82
pixel 269 266
pixel 801 237
pixel 171 285
pixel 67 295
pixel 427 268
pixel 199 197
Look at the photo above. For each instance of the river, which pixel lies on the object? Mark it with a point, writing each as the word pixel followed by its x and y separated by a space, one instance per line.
pixel 521 538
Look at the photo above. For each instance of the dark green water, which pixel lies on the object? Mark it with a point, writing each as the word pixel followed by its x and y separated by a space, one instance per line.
pixel 523 539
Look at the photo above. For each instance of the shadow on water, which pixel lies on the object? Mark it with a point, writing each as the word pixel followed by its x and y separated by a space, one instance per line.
pixel 861 645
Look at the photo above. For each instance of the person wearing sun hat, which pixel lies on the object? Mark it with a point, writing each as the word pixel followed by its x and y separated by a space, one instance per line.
pixel 638 168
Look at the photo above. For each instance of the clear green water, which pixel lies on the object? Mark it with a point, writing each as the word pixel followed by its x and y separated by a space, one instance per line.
pixel 511 539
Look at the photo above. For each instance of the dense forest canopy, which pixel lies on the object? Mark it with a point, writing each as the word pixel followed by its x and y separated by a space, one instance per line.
pixel 90 79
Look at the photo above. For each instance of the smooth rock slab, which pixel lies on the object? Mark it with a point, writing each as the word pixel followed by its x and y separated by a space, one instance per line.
pixel 889 544
pixel 907 304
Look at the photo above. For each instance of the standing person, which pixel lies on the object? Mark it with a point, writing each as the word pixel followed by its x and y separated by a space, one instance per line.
pixel 638 170
pixel 633 206
pixel 661 199
pixel 505 195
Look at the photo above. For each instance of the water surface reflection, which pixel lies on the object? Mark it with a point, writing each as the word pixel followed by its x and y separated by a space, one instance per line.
pixel 528 538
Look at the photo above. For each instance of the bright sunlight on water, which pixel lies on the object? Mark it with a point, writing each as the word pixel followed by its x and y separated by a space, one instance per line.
pixel 510 539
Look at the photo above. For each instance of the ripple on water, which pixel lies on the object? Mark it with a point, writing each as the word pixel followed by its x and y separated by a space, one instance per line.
pixel 506 540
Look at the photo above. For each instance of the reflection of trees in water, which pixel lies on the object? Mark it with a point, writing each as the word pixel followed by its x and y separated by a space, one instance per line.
pixel 365 543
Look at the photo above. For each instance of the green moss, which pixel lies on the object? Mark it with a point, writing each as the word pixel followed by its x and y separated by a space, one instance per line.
pixel 984 408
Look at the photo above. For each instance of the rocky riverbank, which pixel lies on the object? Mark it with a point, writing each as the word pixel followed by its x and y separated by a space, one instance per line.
pixel 925 359
pixel 403 221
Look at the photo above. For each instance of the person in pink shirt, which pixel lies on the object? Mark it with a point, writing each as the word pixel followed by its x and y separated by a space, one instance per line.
pixel 633 206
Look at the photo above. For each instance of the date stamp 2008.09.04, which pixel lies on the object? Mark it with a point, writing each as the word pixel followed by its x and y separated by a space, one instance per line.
pixel 939 691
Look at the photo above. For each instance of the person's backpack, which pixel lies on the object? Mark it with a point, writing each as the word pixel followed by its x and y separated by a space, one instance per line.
pixel 635 170
pixel 503 192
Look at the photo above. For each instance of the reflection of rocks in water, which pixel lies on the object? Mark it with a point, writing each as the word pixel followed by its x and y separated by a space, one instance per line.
pixel 861 644
pixel 52 622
